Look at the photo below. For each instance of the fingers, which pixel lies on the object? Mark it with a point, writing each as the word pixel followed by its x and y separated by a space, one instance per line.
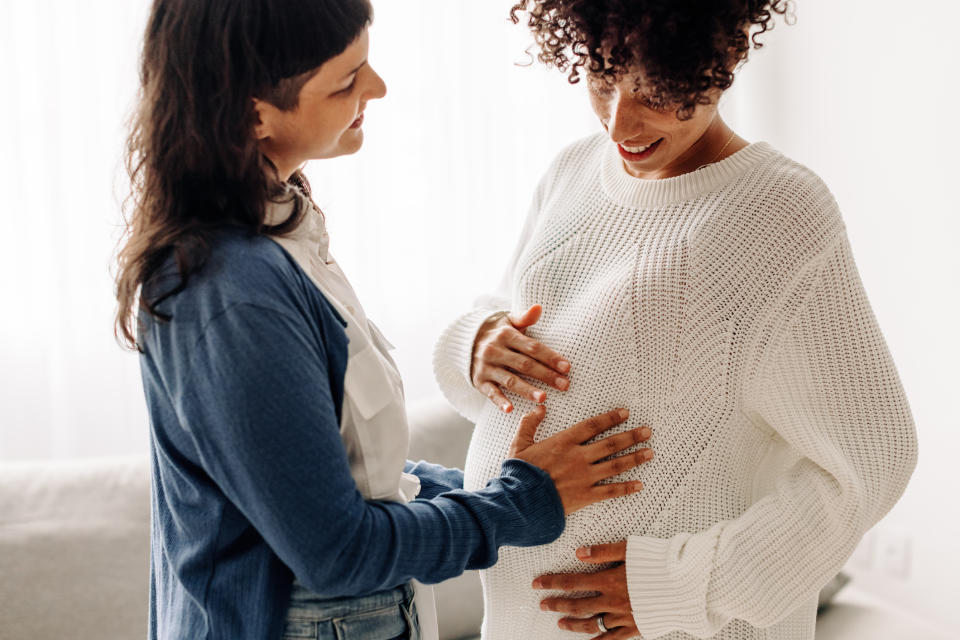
pixel 515 384
pixel 613 445
pixel 620 626
pixel 620 464
pixel 603 553
pixel 527 431
pixel 539 351
pixel 579 607
pixel 615 490
pixel 583 607
pixel 496 396
pixel 530 368
pixel 569 582
pixel 527 318
pixel 591 427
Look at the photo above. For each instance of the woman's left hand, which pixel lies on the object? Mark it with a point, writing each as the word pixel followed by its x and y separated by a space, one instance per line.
pixel 613 601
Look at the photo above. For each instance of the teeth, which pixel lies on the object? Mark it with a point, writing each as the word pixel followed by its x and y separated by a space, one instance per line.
pixel 637 149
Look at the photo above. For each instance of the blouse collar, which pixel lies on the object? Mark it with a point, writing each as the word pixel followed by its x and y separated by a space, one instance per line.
pixel 312 230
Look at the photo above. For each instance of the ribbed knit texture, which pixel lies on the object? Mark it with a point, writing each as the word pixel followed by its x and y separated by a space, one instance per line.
pixel 724 309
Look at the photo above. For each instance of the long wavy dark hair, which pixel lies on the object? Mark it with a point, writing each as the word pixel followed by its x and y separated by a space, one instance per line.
pixel 192 157
pixel 686 48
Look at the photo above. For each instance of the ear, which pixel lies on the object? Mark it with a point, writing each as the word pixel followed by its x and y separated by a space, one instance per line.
pixel 266 117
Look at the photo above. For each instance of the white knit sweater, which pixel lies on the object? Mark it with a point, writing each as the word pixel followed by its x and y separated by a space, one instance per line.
pixel 724 309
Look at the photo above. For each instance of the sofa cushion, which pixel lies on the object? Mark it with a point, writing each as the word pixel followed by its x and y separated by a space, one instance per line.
pixel 74 548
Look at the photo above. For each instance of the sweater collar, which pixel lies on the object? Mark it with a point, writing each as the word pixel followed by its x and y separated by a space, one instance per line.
pixel 312 230
pixel 628 191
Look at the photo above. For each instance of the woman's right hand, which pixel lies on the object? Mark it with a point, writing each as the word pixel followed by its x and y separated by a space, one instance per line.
pixel 502 354
pixel 575 466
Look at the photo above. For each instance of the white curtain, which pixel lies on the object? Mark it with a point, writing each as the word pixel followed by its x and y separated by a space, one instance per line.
pixel 425 215
pixel 67 77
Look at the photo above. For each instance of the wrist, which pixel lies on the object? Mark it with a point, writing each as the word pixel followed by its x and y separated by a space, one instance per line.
pixel 489 323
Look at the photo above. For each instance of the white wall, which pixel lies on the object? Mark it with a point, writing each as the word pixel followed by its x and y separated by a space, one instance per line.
pixel 67 80
pixel 865 93
pixel 424 217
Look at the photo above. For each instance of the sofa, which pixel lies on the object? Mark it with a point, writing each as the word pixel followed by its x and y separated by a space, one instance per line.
pixel 74 550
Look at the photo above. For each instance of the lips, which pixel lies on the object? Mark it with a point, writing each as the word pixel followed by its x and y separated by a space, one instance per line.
pixel 632 153
pixel 357 123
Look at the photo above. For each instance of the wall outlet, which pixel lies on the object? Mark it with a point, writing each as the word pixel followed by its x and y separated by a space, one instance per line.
pixel 887 552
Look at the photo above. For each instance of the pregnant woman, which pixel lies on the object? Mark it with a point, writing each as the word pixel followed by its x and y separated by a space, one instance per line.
pixel 282 503
pixel 708 284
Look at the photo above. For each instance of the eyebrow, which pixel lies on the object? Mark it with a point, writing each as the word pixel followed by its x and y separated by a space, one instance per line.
pixel 355 70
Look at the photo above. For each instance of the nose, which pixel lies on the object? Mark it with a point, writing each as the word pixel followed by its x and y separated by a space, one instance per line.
pixel 626 118
pixel 378 88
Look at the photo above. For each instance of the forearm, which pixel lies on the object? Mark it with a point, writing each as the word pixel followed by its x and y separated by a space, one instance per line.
pixel 433 540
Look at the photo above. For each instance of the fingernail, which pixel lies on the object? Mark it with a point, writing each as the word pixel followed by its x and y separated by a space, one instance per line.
pixel 563 366
pixel 543 605
pixel 540 396
pixel 637 486
pixel 584 552
pixel 562 384
pixel 624 414
pixel 538 584
pixel 645 432
pixel 648 454
pixel 506 408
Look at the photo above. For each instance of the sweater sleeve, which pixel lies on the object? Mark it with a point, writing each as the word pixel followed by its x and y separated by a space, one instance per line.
pixel 434 478
pixel 827 389
pixel 258 405
pixel 453 352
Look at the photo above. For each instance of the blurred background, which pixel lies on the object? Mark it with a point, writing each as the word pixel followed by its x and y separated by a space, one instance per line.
pixel 424 217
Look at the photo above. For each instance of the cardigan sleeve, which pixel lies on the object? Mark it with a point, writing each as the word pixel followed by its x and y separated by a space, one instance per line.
pixel 827 389
pixel 434 478
pixel 257 402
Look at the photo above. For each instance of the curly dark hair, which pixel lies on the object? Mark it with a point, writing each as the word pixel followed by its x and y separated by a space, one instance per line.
pixel 684 48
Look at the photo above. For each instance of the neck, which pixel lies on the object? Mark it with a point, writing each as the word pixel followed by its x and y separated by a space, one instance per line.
pixel 285 169
pixel 716 143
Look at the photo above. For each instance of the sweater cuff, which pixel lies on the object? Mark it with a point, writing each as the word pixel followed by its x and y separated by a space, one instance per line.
pixel 667 581
pixel 452 358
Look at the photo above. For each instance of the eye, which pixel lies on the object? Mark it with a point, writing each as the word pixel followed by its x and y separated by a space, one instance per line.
pixel 346 90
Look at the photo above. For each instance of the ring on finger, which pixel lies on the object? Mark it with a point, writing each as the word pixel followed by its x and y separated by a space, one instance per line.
pixel 600 626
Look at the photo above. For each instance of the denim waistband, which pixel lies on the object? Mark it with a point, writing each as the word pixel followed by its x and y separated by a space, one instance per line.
pixel 303 598
pixel 388 614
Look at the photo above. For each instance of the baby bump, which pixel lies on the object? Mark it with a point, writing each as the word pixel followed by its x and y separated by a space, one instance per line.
pixel 606 521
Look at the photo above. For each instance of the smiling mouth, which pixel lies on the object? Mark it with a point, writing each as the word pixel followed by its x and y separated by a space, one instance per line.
pixel 638 153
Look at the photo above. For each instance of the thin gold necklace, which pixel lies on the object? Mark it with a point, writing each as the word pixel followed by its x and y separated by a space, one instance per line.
pixel 722 149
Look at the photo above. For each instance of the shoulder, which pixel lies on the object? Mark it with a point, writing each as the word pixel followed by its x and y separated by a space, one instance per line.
pixel 787 204
pixel 575 164
pixel 580 154
pixel 242 270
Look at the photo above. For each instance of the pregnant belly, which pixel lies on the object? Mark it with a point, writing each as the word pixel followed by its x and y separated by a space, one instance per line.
pixel 511 605
pixel 606 521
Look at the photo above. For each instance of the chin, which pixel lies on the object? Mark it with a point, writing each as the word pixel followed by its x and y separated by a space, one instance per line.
pixel 350 144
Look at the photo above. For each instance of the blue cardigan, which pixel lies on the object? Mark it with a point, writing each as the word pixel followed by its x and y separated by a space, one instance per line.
pixel 251 483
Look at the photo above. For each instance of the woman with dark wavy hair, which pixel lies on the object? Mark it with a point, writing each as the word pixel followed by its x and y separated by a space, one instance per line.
pixel 708 284
pixel 282 503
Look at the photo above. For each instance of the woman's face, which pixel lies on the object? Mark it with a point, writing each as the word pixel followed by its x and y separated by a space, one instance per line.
pixel 328 119
pixel 653 142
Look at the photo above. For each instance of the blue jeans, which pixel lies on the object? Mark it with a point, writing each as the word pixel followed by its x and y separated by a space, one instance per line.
pixel 384 615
